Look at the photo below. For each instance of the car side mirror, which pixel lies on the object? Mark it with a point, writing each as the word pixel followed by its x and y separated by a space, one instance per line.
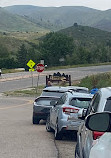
pixel 100 122
pixel 53 103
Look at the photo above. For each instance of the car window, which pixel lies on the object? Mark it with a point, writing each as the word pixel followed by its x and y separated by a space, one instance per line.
pixel 43 101
pixel 82 91
pixel 95 102
pixel 52 93
pixel 108 105
pixel 80 102
pixel 62 99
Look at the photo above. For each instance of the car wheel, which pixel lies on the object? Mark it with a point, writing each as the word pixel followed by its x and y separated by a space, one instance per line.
pixel 48 127
pixel 58 135
pixel 77 155
pixel 35 120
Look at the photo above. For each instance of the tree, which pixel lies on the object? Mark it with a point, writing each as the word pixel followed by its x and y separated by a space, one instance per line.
pixel 56 46
pixel 22 56
pixel 3 52
pixel 75 24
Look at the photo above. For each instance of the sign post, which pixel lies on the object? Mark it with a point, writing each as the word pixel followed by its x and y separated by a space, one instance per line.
pixel 31 65
pixel 39 68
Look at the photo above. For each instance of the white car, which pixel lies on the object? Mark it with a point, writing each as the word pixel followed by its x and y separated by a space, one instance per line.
pixel 102 148
pixel 100 122
pixel 59 91
pixel 85 138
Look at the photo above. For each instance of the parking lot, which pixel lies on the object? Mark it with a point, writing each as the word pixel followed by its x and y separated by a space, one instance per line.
pixel 21 139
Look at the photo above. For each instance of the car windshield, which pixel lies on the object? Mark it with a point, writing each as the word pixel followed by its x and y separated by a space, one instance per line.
pixel 44 101
pixel 80 102
pixel 82 91
pixel 52 93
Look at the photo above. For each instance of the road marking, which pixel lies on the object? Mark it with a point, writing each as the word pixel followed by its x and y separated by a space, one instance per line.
pixel 16 106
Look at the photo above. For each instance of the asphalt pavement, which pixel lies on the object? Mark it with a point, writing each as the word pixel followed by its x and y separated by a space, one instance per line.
pixel 20 80
pixel 19 138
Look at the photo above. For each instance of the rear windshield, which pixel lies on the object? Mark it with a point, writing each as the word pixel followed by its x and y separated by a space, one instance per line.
pixel 52 93
pixel 82 91
pixel 80 102
pixel 108 105
pixel 44 101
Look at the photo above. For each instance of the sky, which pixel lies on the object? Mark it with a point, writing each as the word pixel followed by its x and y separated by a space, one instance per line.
pixel 96 4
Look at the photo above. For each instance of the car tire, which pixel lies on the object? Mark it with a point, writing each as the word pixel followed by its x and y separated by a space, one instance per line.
pixel 58 135
pixel 35 120
pixel 77 155
pixel 48 127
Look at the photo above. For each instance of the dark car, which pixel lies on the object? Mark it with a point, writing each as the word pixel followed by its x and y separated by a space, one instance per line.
pixel 41 108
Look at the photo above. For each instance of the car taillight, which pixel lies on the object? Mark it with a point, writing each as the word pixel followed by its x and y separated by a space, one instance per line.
pixel 69 110
pixel 97 135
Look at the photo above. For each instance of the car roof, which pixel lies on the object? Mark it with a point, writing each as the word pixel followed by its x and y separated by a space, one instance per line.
pixel 50 97
pixel 79 95
pixel 77 87
pixel 56 88
pixel 64 89
pixel 105 92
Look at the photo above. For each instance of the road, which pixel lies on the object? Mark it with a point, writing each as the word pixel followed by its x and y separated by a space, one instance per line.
pixel 19 138
pixel 22 80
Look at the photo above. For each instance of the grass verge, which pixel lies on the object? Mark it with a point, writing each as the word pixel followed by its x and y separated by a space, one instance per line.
pixel 26 92
pixel 98 81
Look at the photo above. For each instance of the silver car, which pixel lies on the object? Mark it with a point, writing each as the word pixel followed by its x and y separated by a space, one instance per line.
pixel 85 137
pixel 64 113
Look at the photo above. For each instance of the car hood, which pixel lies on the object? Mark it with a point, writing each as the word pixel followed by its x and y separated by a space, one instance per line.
pixel 102 148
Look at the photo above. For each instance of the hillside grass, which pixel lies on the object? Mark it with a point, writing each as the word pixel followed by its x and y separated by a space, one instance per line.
pixel 27 36
pixel 13 40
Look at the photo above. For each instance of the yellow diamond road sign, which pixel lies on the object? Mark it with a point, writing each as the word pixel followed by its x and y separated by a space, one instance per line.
pixel 31 69
pixel 31 64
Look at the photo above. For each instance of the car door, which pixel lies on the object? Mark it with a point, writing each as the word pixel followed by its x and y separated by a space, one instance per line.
pixel 85 135
pixel 55 109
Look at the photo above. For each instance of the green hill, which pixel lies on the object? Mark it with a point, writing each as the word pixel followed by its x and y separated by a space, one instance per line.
pixel 87 35
pixel 90 45
pixel 10 22
pixel 56 18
